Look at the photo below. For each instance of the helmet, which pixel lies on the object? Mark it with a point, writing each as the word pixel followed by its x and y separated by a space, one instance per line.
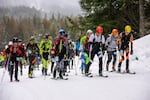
pixel 128 28
pixel 89 31
pixel 19 40
pixel 10 43
pixel 99 30
pixel 46 36
pixel 15 39
pixel 62 32
pixel 114 32
pixel 32 38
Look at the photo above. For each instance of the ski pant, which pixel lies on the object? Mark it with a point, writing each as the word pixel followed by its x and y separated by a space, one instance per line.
pixel 112 54
pixel 13 65
pixel 52 66
pixel 59 67
pixel 87 66
pixel 32 61
pixel 77 52
pixel 122 59
pixel 65 65
pixel 45 62
pixel 20 64
pixel 99 53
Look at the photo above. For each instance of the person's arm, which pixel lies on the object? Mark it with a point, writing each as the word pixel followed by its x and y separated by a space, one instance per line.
pixel 131 41
pixel 119 41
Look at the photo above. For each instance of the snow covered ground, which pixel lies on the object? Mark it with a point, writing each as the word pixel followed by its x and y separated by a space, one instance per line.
pixel 115 87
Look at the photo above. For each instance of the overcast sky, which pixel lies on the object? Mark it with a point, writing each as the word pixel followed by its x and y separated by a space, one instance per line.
pixel 46 5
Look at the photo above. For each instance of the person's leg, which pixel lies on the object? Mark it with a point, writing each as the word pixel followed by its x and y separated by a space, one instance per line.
pixel 11 70
pixel 89 64
pixel 100 66
pixel 20 62
pixel 108 61
pixel 114 62
pixel 127 61
pixel 52 66
pixel 16 70
pixel 120 61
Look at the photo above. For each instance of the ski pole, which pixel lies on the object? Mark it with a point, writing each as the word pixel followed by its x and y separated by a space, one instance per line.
pixel 104 59
pixel 76 66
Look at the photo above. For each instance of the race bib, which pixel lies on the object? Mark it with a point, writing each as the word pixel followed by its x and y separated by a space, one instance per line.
pixel 17 58
pixel 29 51
pixel 56 58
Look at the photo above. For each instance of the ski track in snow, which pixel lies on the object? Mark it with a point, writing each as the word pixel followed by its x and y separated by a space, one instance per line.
pixel 115 87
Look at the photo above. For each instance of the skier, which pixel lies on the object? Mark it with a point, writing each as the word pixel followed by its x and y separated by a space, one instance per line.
pixel 13 52
pixel 84 47
pixel 60 52
pixel 45 47
pixel 125 38
pixel 97 42
pixel 21 55
pixel 111 45
pixel 32 49
pixel 77 47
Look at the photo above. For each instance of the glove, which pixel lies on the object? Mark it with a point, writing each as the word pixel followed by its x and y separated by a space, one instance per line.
pixel 131 52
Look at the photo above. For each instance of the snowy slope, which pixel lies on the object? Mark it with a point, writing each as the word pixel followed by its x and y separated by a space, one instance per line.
pixel 116 87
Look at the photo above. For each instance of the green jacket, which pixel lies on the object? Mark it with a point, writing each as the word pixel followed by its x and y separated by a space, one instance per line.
pixel 45 46
pixel 82 40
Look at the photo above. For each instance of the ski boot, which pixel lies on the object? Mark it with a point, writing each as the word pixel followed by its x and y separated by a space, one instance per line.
pixel 113 68
pixel 119 67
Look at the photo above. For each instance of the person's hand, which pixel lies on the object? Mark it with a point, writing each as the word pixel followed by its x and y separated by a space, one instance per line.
pixel 131 52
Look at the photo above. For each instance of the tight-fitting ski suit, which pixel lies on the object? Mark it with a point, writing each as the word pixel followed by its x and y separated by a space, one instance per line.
pixel 125 39
pixel 32 50
pixel 96 48
pixel 111 44
pixel 14 53
pixel 45 47
pixel 60 52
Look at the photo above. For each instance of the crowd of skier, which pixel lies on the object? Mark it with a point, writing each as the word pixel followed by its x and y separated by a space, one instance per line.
pixel 60 53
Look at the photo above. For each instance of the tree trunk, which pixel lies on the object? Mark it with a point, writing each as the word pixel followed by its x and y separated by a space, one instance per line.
pixel 141 15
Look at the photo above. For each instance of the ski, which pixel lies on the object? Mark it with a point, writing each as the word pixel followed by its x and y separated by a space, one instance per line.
pixel 58 78
pixel 104 76
pixel 124 72
pixel 112 71
pixel 88 75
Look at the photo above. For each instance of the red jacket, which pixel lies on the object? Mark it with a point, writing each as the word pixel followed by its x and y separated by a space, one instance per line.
pixel 57 43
